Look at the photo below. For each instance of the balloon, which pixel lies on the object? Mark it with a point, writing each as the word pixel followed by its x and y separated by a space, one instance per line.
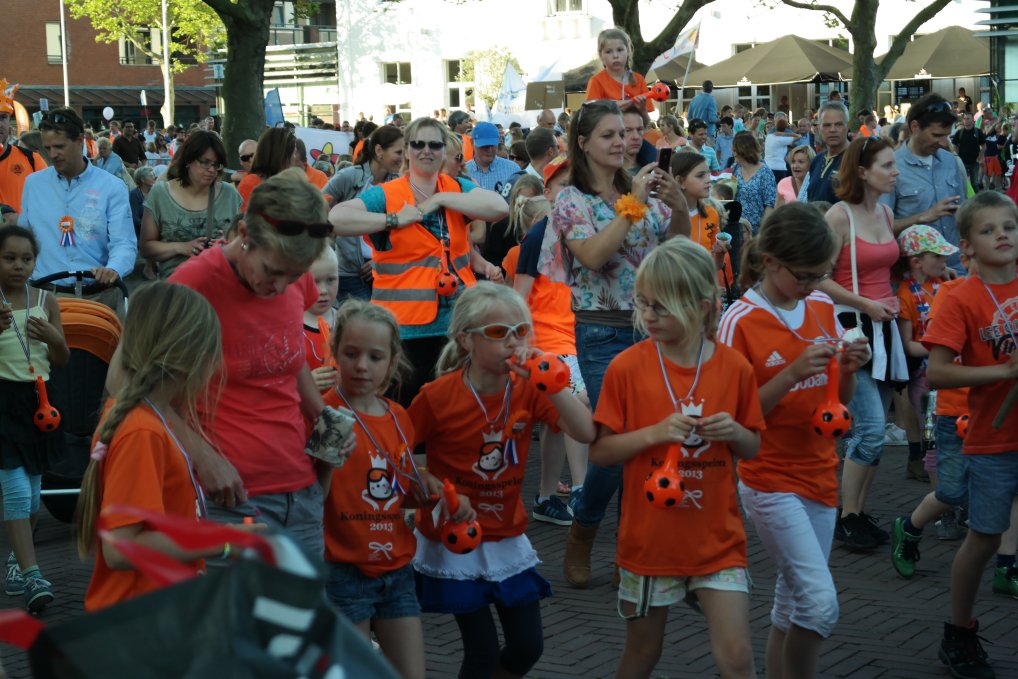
pixel 660 92
pixel 108 113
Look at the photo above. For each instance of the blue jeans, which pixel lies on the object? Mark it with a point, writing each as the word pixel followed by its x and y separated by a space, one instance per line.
pixel 596 346
pixel 865 443
pixel 993 485
pixel 21 493
pixel 952 465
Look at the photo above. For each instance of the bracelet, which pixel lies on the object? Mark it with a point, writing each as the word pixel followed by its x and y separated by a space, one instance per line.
pixel 391 221
pixel 226 552
pixel 629 207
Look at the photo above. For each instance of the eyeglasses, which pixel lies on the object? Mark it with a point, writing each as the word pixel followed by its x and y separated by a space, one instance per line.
pixel 210 164
pixel 418 145
pixel 939 107
pixel 803 278
pixel 246 157
pixel 292 227
pixel 659 311
pixel 58 118
pixel 501 331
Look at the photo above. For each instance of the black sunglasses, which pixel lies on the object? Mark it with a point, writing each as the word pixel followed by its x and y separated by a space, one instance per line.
pixel 57 118
pixel 939 107
pixel 418 145
pixel 607 104
pixel 246 157
pixel 292 227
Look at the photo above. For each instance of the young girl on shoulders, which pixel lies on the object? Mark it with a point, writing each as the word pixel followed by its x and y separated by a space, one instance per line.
pixel 704 411
pixel 475 421
pixel 368 545
pixel 31 338
pixel 169 351
pixel 617 80
pixel 319 318
pixel 789 333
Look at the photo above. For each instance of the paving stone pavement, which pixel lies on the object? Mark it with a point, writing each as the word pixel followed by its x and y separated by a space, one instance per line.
pixel 889 627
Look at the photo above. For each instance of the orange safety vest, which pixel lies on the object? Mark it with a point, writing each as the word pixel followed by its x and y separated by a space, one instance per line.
pixel 407 273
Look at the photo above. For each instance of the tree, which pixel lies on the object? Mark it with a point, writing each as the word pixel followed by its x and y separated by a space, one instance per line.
pixel 867 74
pixel 193 29
pixel 485 69
pixel 626 14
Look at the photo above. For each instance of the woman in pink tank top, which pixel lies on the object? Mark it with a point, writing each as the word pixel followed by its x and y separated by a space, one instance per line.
pixel 865 299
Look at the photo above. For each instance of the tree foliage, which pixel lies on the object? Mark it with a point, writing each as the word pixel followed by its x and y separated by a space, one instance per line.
pixel 861 24
pixel 485 69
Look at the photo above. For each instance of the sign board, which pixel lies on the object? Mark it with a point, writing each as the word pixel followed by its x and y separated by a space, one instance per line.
pixel 544 95
pixel 327 145
pixel 43 104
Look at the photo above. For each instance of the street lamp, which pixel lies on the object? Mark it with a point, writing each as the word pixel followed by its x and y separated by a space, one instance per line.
pixel 63 55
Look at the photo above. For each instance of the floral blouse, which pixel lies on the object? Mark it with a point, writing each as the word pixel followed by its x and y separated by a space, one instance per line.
pixel 756 195
pixel 577 216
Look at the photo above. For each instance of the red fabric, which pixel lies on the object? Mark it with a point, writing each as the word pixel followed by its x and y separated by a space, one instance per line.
pixel 705 533
pixel 246 186
pixel 258 422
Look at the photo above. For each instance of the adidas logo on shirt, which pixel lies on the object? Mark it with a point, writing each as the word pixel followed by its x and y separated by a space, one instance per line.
pixel 774 359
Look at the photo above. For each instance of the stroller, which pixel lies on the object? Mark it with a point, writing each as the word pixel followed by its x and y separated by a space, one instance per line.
pixel 93 331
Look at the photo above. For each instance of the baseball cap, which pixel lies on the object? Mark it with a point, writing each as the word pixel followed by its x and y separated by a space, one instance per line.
pixel 558 163
pixel 921 238
pixel 485 134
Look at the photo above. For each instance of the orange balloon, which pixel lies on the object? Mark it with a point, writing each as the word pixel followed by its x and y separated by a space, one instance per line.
pixel 21 115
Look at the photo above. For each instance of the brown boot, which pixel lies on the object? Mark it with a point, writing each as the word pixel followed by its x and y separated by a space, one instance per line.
pixel 577 558
pixel 917 471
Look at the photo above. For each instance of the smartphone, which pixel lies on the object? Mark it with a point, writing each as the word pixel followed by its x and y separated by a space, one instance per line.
pixel 664 159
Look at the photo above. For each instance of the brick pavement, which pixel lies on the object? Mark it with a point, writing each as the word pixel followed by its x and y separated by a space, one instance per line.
pixel 889 626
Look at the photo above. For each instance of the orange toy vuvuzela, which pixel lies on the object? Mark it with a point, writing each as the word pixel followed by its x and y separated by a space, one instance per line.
pixel 459 537
pixel 664 487
pixel 831 419
pixel 47 418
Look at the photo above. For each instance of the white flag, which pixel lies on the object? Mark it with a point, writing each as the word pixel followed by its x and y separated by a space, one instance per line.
pixel 686 43
pixel 510 96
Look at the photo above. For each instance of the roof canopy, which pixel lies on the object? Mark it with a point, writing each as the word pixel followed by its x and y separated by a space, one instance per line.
pixel 790 59
pixel 952 52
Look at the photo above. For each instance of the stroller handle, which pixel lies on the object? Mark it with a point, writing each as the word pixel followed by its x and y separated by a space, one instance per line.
pixel 79 276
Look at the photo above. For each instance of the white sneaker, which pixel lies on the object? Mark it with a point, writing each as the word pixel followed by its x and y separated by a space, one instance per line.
pixel 894 435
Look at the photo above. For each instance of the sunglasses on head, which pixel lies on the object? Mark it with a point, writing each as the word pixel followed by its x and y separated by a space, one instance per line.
pixel 292 227
pixel 607 104
pixel 246 157
pixel 58 118
pixel 418 145
pixel 500 331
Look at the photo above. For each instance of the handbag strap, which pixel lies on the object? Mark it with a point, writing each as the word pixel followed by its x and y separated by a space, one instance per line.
pixel 208 211
pixel 852 253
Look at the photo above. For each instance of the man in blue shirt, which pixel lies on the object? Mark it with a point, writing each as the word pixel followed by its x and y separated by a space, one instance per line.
pixel 80 213
pixel 820 182
pixel 487 169
pixel 108 160
pixel 723 143
pixel 705 108
pixel 931 183
pixel 698 143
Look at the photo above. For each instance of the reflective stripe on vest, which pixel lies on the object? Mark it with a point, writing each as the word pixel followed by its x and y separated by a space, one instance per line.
pixel 395 268
pixel 404 295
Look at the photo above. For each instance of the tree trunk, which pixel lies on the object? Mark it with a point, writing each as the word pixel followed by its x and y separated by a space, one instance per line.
pixel 866 73
pixel 243 95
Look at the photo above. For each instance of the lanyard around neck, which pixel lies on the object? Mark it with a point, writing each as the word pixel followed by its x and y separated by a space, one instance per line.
pixel 26 346
pixel 696 376
pixel 1008 323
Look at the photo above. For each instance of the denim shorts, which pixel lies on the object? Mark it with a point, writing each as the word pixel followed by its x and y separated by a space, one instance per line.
pixel 865 443
pixel 952 465
pixel 647 591
pixel 389 596
pixel 299 514
pixel 993 484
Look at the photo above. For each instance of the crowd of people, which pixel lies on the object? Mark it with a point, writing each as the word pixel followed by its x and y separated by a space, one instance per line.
pixel 704 281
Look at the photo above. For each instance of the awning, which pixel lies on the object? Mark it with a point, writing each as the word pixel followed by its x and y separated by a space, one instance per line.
pixel 81 96
pixel 790 59
pixel 952 52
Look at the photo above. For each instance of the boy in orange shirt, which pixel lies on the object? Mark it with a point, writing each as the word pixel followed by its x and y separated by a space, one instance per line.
pixel 978 323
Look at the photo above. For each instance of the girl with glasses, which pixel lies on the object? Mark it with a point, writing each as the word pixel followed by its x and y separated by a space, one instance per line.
pixel 418 227
pixel 176 224
pixel 475 421
pixel 788 332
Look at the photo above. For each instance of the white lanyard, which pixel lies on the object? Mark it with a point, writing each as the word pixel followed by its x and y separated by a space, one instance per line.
pixel 25 345
pixel 668 384
pixel 781 317
pixel 1008 323
pixel 202 509
pixel 415 476
pixel 503 413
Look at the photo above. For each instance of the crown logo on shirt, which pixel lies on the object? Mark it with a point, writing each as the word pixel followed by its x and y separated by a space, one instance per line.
pixel 693 409
pixel 494 436
pixel 378 462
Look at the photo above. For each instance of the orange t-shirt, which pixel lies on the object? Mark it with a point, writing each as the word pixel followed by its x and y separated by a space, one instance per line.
pixel 509 263
pixel 462 448
pixel 357 150
pixel 603 86
pixel 315 347
pixel 364 523
pixel 704 534
pixel 246 186
pixel 550 303
pixel 143 468
pixel 468 148
pixel 653 136
pixel 316 177
pixel 950 402
pixel 705 232
pixel 793 458
pixel 969 324
pixel 14 168
pixel 910 301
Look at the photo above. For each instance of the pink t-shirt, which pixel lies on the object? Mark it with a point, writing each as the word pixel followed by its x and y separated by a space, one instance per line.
pixel 258 423
pixel 787 191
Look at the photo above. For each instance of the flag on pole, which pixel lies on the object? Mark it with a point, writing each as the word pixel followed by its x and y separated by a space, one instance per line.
pixel 512 93
pixel 273 108
pixel 686 43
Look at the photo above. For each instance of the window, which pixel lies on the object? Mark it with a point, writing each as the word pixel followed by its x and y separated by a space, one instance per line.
pixel 54 51
pixel 742 47
pixel 130 55
pixel 396 73
pixel 459 93
pixel 567 6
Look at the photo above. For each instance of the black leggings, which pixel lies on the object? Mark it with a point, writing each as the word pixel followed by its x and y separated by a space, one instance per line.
pixel 524 640
pixel 423 354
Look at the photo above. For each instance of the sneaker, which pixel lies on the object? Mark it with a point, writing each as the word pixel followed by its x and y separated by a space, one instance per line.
pixel 904 549
pixel 1005 581
pixel 14 581
pixel 38 593
pixel 915 471
pixel 879 534
pixel 855 533
pixel 553 510
pixel 894 435
pixel 964 656
pixel 574 498
pixel 948 527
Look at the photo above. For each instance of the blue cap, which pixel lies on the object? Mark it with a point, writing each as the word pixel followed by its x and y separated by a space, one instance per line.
pixel 485 134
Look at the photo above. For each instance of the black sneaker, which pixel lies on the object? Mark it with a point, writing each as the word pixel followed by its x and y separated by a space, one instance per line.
pixel 964 656
pixel 879 534
pixel 856 534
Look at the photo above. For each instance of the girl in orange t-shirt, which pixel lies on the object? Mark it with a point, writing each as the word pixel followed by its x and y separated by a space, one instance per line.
pixel 368 545
pixel 475 421
pixel 679 393
pixel 789 333
pixel 617 81
pixel 169 351
pixel 690 169
pixel 317 350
